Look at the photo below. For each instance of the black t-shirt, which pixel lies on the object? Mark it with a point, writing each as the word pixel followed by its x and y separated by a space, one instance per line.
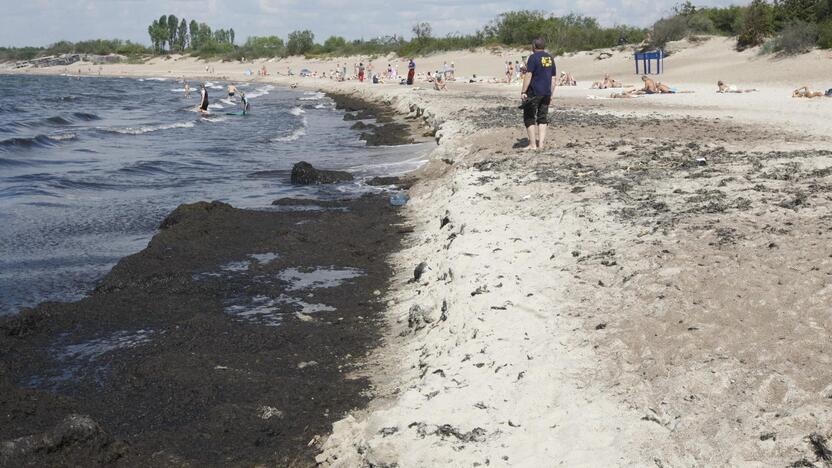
pixel 542 67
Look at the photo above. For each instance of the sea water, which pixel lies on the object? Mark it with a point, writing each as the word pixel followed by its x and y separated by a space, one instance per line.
pixel 90 167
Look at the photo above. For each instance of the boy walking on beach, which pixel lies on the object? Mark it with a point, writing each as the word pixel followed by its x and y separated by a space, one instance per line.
pixel 537 91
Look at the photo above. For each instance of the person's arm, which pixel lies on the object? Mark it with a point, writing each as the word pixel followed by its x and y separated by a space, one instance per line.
pixel 554 78
pixel 527 78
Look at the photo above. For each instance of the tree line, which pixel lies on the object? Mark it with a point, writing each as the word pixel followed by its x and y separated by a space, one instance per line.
pixel 782 26
pixel 171 34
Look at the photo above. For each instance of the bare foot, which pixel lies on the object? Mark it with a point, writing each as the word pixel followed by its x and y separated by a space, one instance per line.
pixel 530 148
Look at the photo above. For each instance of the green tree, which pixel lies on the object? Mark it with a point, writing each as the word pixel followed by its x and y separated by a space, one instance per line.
pixel 256 47
pixel 334 44
pixel 194 34
pixel 422 32
pixel 182 36
pixel 789 11
pixel 173 27
pixel 757 25
pixel 518 27
pixel 300 42
pixel 158 35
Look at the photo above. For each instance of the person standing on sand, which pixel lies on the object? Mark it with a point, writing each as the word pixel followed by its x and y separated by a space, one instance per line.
pixel 361 72
pixel 411 72
pixel 538 87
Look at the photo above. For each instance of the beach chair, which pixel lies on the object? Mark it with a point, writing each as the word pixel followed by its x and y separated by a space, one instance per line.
pixel 645 59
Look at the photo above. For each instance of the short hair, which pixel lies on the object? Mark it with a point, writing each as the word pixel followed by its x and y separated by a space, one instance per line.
pixel 539 43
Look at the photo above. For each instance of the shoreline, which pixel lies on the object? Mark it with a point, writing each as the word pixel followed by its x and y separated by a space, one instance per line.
pixel 640 293
pixel 175 356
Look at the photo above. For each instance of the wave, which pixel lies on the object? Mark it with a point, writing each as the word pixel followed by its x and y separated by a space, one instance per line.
pixel 19 191
pixel 151 167
pixel 64 183
pixel 297 111
pixel 58 120
pixel 10 108
pixel 148 128
pixel 216 106
pixel 5 162
pixel 296 134
pixel 312 96
pixel 260 92
pixel 39 141
pixel 54 121
pixel 86 117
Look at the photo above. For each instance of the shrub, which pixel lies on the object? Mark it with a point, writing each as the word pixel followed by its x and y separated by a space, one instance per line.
pixel 825 35
pixel 757 24
pixel 767 48
pixel 797 37
pixel 669 29
pixel 727 21
pixel 700 23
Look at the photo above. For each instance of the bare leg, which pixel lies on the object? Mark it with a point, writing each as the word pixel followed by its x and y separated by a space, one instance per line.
pixel 541 131
pixel 532 130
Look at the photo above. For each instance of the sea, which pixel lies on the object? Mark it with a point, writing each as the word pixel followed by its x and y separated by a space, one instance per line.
pixel 89 168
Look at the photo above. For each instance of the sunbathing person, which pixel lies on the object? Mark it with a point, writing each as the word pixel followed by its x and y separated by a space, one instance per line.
pixel 726 89
pixel 805 92
pixel 566 79
pixel 439 83
pixel 665 89
pixel 608 83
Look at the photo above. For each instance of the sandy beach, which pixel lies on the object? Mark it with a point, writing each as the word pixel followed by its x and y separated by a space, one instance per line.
pixel 650 289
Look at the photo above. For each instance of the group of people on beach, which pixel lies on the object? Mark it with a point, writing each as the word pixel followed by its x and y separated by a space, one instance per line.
pixel 368 73
pixel 232 92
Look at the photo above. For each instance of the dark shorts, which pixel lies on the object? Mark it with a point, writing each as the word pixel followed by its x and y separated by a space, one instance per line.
pixel 536 110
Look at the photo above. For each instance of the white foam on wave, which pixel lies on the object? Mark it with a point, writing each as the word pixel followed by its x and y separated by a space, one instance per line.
pixel 216 106
pixel 312 96
pixel 149 128
pixel 296 134
pixel 260 92
pixel 62 137
pixel 297 111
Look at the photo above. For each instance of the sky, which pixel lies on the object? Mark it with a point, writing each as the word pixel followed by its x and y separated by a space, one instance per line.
pixel 42 22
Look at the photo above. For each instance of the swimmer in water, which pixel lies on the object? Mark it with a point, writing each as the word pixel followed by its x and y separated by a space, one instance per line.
pixel 244 103
pixel 232 90
pixel 203 96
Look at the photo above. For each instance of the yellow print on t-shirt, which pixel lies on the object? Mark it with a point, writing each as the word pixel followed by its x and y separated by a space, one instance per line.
pixel 546 61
